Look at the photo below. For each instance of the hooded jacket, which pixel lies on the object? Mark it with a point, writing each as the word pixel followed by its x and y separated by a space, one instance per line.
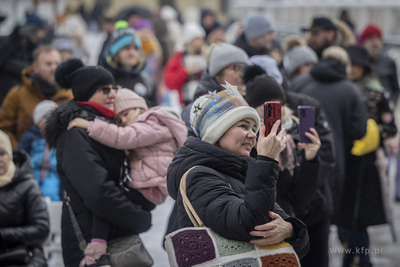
pixel 154 137
pixel 23 213
pixel 342 104
pixel 17 109
pixel 231 194
pixel 90 174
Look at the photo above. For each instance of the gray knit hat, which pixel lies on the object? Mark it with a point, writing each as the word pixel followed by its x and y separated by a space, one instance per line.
pixel 297 56
pixel 223 55
pixel 257 25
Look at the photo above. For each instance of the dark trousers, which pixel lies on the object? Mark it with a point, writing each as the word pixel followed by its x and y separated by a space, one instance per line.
pixel 319 245
pixel 358 242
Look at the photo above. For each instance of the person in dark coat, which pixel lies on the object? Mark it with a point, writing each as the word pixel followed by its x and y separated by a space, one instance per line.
pixel 342 104
pixel 125 60
pixel 302 188
pixel 232 193
pixel 362 202
pixel 258 35
pixel 17 49
pixel 383 66
pixel 24 220
pixel 90 172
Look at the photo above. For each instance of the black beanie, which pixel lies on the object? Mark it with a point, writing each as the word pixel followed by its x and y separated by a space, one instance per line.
pixel 261 88
pixel 83 80
pixel 359 55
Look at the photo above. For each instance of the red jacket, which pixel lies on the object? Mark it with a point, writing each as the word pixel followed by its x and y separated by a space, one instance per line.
pixel 175 75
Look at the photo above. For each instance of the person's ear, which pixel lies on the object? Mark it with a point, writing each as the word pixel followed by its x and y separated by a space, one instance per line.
pixel 35 66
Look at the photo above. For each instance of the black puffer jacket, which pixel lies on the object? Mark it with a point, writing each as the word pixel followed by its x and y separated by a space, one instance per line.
pixel 23 213
pixel 90 173
pixel 231 194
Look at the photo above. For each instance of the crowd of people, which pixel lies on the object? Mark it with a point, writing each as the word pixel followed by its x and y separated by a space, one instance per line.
pixel 180 95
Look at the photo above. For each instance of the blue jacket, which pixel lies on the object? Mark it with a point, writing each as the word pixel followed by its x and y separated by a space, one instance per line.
pixel 33 143
pixel 25 143
pixel 45 168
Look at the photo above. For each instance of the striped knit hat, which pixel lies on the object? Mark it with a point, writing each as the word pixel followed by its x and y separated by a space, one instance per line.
pixel 213 114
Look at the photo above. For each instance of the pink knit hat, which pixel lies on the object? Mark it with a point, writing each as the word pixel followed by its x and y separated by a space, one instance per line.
pixel 127 99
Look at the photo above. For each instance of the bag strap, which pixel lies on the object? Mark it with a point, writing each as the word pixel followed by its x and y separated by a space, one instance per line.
pixel 194 217
pixel 75 225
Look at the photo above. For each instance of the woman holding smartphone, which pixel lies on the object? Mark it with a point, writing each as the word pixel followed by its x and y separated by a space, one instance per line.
pixel 299 164
pixel 232 193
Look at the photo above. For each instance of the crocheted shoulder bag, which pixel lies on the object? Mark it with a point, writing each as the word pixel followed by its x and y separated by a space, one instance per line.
pixel 200 246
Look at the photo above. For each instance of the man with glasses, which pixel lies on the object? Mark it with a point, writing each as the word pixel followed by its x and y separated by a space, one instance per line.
pixel 38 85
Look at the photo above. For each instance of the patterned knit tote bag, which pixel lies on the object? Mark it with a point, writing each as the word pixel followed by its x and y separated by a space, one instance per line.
pixel 199 246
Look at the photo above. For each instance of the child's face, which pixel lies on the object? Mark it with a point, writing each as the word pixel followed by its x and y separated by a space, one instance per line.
pixel 127 117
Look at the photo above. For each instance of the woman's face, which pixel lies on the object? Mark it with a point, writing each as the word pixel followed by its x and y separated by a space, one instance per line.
pixel 105 96
pixel 4 161
pixel 127 117
pixel 233 74
pixel 357 72
pixel 240 138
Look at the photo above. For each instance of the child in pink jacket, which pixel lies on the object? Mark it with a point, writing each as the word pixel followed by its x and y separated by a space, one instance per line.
pixel 150 136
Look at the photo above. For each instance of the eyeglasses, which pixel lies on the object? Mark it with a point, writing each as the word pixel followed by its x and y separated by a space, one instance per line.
pixel 237 67
pixel 107 89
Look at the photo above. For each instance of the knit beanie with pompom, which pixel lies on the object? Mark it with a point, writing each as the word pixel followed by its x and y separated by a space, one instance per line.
pixel 83 80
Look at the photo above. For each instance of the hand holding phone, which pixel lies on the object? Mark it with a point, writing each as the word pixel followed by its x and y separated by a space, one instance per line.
pixel 272 113
pixel 309 139
pixel 307 121
pixel 273 144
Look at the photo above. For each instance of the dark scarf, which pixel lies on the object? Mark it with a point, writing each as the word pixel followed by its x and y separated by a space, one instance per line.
pixel 47 89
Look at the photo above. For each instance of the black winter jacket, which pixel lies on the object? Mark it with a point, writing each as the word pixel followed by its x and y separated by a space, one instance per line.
pixel 90 174
pixel 343 106
pixel 23 213
pixel 385 68
pixel 322 205
pixel 231 194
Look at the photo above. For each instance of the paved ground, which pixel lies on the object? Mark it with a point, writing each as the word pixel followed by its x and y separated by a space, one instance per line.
pixel 387 253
